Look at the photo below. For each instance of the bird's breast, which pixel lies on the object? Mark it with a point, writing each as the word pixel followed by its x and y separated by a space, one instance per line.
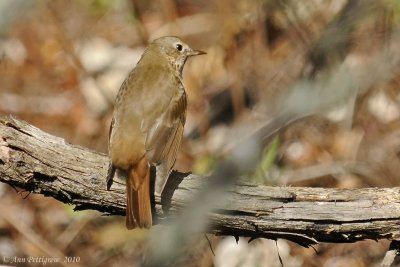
pixel 143 99
pixel 127 143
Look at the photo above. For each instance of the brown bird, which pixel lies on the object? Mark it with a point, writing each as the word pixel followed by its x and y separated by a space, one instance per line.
pixel 147 126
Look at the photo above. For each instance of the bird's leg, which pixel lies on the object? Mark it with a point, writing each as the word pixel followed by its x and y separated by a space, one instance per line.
pixel 110 175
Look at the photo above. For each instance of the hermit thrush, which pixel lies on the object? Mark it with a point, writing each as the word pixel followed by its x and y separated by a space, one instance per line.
pixel 147 126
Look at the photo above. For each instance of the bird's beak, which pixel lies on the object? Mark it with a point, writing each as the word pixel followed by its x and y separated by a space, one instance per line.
pixel 196 53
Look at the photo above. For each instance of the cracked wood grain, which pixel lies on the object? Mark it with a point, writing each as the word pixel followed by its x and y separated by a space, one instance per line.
pixel 41 163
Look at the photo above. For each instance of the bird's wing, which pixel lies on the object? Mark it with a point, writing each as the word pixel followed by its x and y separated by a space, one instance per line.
pixel 164 137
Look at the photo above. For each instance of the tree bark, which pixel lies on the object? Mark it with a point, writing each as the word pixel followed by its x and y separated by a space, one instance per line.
pixel 41 163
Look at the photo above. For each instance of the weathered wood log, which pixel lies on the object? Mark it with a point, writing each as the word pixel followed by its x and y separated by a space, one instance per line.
pixel 41 163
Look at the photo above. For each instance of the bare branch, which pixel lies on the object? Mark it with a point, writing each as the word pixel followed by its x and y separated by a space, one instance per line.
pixel 45 164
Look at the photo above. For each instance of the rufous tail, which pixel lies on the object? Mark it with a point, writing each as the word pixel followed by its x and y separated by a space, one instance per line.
pixel 138 206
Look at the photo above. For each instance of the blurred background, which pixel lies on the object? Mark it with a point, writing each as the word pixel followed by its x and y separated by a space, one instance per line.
pixel 62 62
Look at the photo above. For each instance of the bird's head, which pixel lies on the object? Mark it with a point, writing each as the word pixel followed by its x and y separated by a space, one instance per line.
pixel 175 50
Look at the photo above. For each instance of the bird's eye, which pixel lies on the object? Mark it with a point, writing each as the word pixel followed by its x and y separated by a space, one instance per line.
pixel 179 47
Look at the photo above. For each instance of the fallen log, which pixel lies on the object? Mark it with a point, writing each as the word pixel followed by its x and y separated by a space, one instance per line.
pixel 41 163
